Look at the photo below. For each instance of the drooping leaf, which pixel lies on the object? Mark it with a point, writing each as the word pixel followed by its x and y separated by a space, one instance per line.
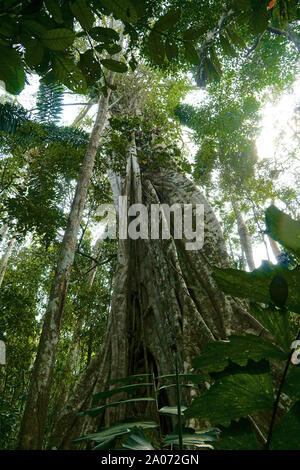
pixel 196 439
pixel 100 409
pixel 130 378
pixel 286 433
pixel 238 392
pixel 239 349
pixel 196 378
pixel 106 445
pixel 191 54
pixel 256 284
pixel 57 39
pixel 68 73
pixel 83 13
pixel 279 291
pixel 121 9
pixel 34 52
pixel 276 322
pixel 237 40
pixel 54 10
pixel 137 440
pixel 156 48
pixel 167 21
pixel 117 429
pixel 239 436
pixel 282 228
pixel 11 70
pixel 125 389
pixel 292 383
pixel 226 46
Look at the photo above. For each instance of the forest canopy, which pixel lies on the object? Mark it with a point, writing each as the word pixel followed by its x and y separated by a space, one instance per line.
pixel 178 120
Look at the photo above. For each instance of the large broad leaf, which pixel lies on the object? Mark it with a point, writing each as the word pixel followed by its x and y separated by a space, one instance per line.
pixel 292 383
pixel 239 436
pixel 55 10
pixel 286 434
pixel 121 9
pixel 283 228
pixel 83 13
pixel 156 48
pixel 276 322
pixel 114 65
pixel 96 411
pixel 68 73
pixel 237 393
pixel 125 389
pixel 118 429
pixel 58 39
pixel 168 20
pixel 137 441
pixel 239 349
pixel 34 52
pixel 191 54
pixel 11 70
pixel 104 34
pixel 256 285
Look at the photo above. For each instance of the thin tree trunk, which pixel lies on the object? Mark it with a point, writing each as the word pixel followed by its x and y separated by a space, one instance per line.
pixel 32 425
pixel 5 259
pixel 244 236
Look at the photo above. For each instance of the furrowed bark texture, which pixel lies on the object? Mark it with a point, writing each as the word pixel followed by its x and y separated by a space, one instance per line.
pixel 32 426
pixel 164 299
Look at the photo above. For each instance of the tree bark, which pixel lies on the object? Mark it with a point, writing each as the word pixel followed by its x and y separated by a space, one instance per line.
pixel 32 425
pixel 244 236
pixel 5 259
pixel 164 299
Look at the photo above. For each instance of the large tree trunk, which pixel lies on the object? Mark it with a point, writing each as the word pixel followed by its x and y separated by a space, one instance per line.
pixel 164 299
pixel 244 236
pixel 32 426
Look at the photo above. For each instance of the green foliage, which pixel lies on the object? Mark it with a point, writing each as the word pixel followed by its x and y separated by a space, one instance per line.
pixel 49 102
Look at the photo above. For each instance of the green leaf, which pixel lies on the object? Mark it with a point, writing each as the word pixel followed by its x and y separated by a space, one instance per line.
pixel 292 384
pixel 137 440
pixel 130 378
pixel 68 73
pixel 260 17
pixel 58 39
pixel 171 410
pixel 114 65
pixel 238 41
pixel 191 54
pixel 171 49
pixel 239 436
pixel 276 322
pixel 100 409
pixel 210 69
pixel 282 228
pixel 196 439
pixel 287 432
pixel 256 285
pixel 83 13
pixel 113 48
pixel 279 291
pixel 196 378
pixel 121 9
pixel 238 392
pixel 124 389
pixel 11 70
pixel 194 33
pixel 54 10
pixel 167 21
pixel 106 445
pixel 34 52
pixel 239 349
pixel 156 48
pixel 117 430
pixel 90 67
pixel 226 46
pixel 104 34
